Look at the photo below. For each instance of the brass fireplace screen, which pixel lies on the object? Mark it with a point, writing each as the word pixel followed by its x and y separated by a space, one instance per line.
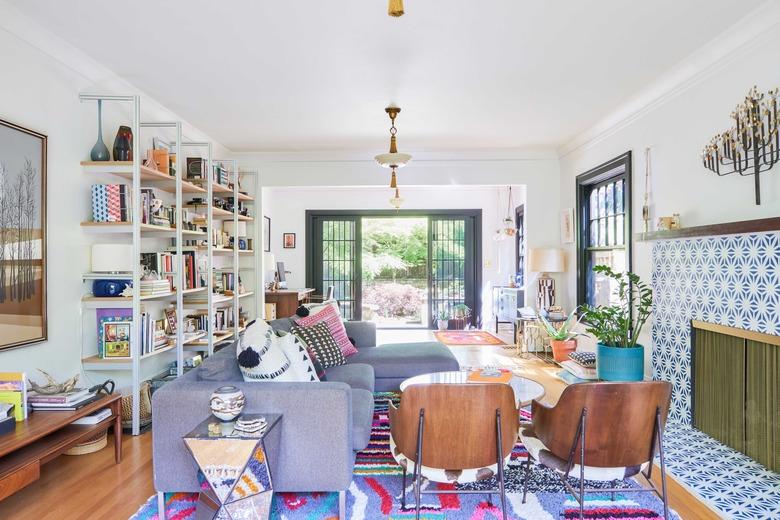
pixel 736 389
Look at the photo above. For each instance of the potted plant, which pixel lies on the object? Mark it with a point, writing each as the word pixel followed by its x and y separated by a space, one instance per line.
pixel 562 338
pixel 442 319
pixel 617 327
pixel 460 312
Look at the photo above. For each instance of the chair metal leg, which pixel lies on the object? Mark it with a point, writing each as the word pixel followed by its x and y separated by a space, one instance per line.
pixel 582 467
pixel 418 465
pixel 526 476
pixel 403 488
pixel 342 505
pixel 500 461
pixel 161 505
pixel 659 435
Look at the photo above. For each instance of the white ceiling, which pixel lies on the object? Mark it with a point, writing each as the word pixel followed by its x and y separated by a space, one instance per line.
pixel 314 74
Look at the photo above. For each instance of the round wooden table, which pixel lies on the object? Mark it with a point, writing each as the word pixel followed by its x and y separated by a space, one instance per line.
pixel 525 390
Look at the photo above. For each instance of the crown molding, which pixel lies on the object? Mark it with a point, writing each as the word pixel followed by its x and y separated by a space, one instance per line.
pixel 749 32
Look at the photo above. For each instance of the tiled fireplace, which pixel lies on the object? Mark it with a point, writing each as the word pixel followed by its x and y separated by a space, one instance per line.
pixel 731 280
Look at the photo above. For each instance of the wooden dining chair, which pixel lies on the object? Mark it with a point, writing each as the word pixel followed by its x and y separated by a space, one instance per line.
pixel 600 431
pixel 454 433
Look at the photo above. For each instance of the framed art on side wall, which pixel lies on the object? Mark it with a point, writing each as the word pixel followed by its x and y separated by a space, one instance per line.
pixel 266 234
pixel 288 240
pixel 22 236
pixel 567 225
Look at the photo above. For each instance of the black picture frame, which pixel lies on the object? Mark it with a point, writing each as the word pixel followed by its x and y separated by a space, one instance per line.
pixel 288 244
pixel 266 234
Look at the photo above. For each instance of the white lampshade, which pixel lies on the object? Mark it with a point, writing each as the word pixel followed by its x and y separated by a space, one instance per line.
pixel 388 160
pixel 269 261
pixel 112 258
pixel 227 227
pixel 546 260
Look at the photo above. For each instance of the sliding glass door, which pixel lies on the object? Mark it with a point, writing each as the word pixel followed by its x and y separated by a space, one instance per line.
pixel 396 268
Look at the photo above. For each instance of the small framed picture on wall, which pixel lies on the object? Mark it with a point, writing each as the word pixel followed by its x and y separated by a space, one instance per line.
pixel 567 225
pixel 266 234
pixel 288 240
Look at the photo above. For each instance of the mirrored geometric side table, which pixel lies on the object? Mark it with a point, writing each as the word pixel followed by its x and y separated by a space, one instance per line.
pixel 234 468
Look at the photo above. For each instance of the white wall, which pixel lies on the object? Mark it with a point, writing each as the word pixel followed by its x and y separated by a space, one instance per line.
pixel 287 209
pixel 676 127
pixel 42 77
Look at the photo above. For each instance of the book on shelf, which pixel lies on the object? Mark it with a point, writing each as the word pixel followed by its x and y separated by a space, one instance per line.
pixel 6 410
pixel 61 398
pixel 13 390
pixel 75 405
pixel 111 203
pixel 107 316
pixel 578 370
pixel 94 418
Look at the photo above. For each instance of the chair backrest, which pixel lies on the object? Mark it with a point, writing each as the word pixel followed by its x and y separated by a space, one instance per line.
pixel 459 423
pixel 331 293
pixel 619 423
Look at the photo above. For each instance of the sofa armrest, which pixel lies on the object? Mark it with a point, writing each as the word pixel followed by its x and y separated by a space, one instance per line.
pixel 363 332
pixel 315 449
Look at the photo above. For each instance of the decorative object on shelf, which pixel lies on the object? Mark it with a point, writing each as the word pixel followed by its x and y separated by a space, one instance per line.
pixel 442 319
pixel 110 288
pixel 752 145
pixel 395 8
pixel 617 327
pixel 562 338
pixel 227 403
pixel 99 152
pixel 567 225
pixel 545 261
pixel 646 205
pixel 251 425
pixel 163 160
pixel 52 386
pixel 123 144
pixel 396 201
pixel 111 259
pixel 116 339
pixel 393 159
pixel 195 168
pixel 150 161
pixel 266 234
pixel 288 240
pixel 669 223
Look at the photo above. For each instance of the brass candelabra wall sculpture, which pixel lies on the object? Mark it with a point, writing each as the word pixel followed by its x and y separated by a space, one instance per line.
pixel 751 146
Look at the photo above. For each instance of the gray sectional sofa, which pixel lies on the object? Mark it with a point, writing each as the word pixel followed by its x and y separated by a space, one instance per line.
pixel 323 424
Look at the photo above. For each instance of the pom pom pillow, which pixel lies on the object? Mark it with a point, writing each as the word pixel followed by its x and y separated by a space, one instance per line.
pixel 330 315
pixel 264 356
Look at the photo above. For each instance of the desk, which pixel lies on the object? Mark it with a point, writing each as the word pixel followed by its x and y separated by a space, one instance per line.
pixel 287 300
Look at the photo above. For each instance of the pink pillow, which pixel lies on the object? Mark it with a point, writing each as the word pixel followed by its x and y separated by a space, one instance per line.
pixel 331 317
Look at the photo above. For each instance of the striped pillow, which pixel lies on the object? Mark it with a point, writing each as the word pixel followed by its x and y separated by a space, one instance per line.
pixel 260 357
pixel 330 315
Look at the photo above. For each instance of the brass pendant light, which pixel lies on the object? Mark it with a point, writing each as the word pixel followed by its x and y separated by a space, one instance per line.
pixel 395 8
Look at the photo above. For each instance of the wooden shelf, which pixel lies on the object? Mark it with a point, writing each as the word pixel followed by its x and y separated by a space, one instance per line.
pixel 246 294
pixel 127 227
pixel 229 251
pixel 116 302
pixel 97 363
pixel 219 212
pixel 124 169
pixel 727 228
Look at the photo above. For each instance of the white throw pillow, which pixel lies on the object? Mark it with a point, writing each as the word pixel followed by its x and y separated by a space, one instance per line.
pixel 298 355
pixel 261 358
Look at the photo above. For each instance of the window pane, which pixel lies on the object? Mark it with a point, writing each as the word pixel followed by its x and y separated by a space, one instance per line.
pixel 610 199
pixel 621 232
pixel 594 205
pixel 619 196
pixel 602 202
pixel 594 233
pixel 602 231
pixel 610 231
pixel 600 288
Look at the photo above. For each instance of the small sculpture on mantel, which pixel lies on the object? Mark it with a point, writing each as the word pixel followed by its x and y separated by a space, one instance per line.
pixel 52 386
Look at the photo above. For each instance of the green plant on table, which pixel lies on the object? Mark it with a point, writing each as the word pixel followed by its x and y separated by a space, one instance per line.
pixel 563 332
pixel 461 311
pixel 619 324
pixel 442 315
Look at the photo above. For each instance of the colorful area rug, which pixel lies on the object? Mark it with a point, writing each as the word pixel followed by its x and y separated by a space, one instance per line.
pixel 467 337
pixel 376 490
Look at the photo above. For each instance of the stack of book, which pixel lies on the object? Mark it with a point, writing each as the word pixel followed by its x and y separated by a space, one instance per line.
pixel 155 287
pixel 111 203
pixel 223 319
pixel 13 390
pixel 581 365
pixel 73 400
pixel 153 336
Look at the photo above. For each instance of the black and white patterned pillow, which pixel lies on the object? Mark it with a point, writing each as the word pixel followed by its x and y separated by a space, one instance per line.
pixel 260 357
pixel 585 359
pixel 320 340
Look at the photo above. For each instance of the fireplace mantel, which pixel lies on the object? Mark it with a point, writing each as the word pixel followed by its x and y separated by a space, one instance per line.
pixel 726 228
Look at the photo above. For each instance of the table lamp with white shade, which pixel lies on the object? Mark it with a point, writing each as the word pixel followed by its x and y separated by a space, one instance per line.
pixel 545 261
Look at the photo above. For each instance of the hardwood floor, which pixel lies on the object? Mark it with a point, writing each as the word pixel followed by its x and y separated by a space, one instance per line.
pixel 93 487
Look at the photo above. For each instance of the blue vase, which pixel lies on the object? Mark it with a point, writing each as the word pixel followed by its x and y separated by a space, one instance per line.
pixel 100 150
pixel 620 364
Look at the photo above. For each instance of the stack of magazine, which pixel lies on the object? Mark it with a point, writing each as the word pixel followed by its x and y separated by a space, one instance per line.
pixel 73 400
pixel 582 365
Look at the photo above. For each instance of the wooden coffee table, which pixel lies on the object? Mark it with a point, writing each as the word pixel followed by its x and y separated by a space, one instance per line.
pixel 525 389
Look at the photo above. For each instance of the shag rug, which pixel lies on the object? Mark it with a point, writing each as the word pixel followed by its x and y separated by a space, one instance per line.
pixel 376 490
pixel 467 337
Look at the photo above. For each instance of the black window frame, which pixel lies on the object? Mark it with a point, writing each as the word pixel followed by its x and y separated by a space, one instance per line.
pixel 612 170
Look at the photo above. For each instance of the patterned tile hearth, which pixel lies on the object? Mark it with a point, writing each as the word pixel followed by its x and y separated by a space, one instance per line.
pixel 734 484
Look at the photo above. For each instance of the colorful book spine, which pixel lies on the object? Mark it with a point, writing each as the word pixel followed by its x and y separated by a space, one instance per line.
pixel 13 389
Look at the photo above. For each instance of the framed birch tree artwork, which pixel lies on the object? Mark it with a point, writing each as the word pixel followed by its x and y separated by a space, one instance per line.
pixel 22 236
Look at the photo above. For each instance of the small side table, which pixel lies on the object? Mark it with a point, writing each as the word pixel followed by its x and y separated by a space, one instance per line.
pixel 234 468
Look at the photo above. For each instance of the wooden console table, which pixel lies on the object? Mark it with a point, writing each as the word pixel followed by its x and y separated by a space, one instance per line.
pixel 287 300
pixel 45 435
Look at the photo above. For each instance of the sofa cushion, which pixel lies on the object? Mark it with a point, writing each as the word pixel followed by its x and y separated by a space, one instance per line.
pixel 282 324
pixel 261 358
pixel 320 340
pixel 330 315
pixel 407 359
pixel 356 375
pixel 362 418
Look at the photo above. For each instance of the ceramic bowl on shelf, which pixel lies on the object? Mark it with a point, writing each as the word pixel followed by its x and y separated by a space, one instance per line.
pixel 227 403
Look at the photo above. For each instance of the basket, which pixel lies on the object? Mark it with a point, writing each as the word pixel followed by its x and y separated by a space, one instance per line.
pixel 145 404
pixel 90 445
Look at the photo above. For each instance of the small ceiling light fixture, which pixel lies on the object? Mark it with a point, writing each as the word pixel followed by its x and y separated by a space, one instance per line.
pixel 510 228
pixel 396 201
pixel 393 159
pixel 395 8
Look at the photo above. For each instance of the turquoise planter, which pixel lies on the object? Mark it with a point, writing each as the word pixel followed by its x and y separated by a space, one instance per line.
pixel 620 364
